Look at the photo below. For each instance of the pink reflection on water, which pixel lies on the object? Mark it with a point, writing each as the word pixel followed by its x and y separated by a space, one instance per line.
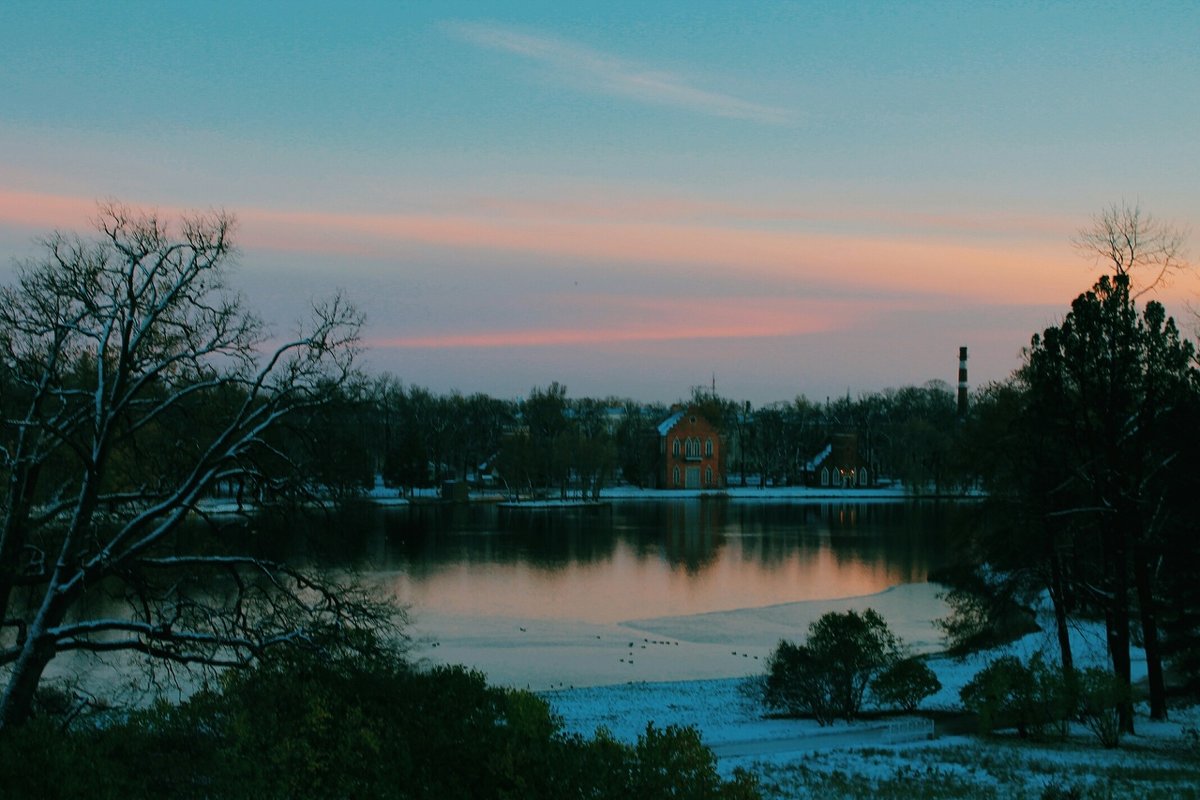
pixel 630 585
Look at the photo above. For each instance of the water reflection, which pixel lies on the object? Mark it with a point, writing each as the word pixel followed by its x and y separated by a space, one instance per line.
pixel 630 560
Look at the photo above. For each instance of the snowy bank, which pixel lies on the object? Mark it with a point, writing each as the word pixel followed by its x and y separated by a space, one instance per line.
pixel 796 757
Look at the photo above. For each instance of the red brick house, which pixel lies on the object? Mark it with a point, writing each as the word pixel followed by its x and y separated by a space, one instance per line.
pixel 690 452
pixel 840 464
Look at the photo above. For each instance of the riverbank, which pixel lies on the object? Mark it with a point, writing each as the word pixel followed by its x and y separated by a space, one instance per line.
pixel 883 494
pixel 381 495
pixel 691 670
pixel 891 756
pixel 894 755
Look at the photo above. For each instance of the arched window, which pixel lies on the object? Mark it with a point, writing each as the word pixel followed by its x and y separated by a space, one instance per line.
pixel 693 448
pixel 837 477
pixel 862 476
pixel 824 476
pixel 708 448
pixel 675 448
pixel 708 476
pixel 675 475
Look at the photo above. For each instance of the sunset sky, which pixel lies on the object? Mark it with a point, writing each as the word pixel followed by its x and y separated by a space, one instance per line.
pixel 628 198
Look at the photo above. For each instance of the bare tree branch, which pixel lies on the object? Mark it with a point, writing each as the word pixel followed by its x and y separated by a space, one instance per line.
pixel 1127 240
pixel 132 379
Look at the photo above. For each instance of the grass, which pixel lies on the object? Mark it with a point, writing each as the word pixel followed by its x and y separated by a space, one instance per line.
pixel 994 769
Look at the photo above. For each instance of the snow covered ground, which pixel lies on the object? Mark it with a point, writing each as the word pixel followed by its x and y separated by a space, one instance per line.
pixel 384 495
pixel 898 756
pixel 888 494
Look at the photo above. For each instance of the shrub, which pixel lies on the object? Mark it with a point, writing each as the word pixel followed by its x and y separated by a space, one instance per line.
pixel 1101 695
pixel 1033 698
pixel 991 693
pixel 300 726
pixel 673 762
pixel 905 684
pixel 829 674
pixel 797 684
pixel 987 609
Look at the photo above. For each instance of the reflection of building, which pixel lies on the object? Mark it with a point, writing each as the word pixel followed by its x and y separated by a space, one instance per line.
pixel 690 452
pixel 840 464
pixel 692 533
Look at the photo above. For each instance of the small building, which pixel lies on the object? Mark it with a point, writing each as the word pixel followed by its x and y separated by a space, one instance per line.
pixel 839 465
pixel 690 452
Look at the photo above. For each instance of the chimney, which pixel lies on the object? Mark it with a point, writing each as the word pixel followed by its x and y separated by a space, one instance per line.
pixel 962 382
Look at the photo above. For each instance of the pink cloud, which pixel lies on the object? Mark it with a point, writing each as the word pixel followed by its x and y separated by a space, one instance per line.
pixel 565 336
pixel 655 320
pixel 1012 273
pixel 598 203
pixel 43 212
pixel 954 256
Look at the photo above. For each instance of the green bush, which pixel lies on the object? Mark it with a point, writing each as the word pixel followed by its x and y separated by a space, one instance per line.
pixel 1033 698
pixel 905 684
pixel 1100 696
pixel 39 760
pixel 795 683
pixel 828 676
pixel 298 726
pixel 673 762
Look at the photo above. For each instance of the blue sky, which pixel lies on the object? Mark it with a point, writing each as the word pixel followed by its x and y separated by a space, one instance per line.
pixel 627 198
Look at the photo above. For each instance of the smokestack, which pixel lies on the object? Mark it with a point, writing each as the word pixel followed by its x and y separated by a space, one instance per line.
pixel 962 382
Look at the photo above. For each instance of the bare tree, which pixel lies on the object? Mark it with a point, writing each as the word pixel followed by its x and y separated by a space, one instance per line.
pixel 1129 241
pixel 132 379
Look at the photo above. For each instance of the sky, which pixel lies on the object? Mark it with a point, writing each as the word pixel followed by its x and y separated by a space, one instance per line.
pixel 631 199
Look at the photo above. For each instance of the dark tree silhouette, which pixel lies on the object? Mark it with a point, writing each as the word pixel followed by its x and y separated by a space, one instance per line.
pixel 131 381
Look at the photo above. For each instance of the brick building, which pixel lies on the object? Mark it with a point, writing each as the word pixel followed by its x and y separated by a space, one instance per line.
pixel 690 452
pixel 840 464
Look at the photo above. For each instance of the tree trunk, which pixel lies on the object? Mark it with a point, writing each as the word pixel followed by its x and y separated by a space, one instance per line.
pixel 1059 599
pixel 17 701
pixel 1117 619
pixel 12 535
pixel 1154 668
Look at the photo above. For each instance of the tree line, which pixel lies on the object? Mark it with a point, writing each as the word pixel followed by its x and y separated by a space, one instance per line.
pixel 551 443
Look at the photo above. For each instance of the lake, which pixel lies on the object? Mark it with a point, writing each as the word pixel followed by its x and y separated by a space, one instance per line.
pixel 639 590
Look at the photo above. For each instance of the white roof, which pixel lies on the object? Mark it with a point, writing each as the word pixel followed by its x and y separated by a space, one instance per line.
pixel 669 423
pixel 819 457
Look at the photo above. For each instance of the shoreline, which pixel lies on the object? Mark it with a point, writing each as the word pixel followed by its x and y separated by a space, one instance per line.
pixel 799 495
pixel 542 654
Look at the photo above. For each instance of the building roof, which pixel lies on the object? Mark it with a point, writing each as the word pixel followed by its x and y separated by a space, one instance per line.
pixel 669 423
pixel 819 458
